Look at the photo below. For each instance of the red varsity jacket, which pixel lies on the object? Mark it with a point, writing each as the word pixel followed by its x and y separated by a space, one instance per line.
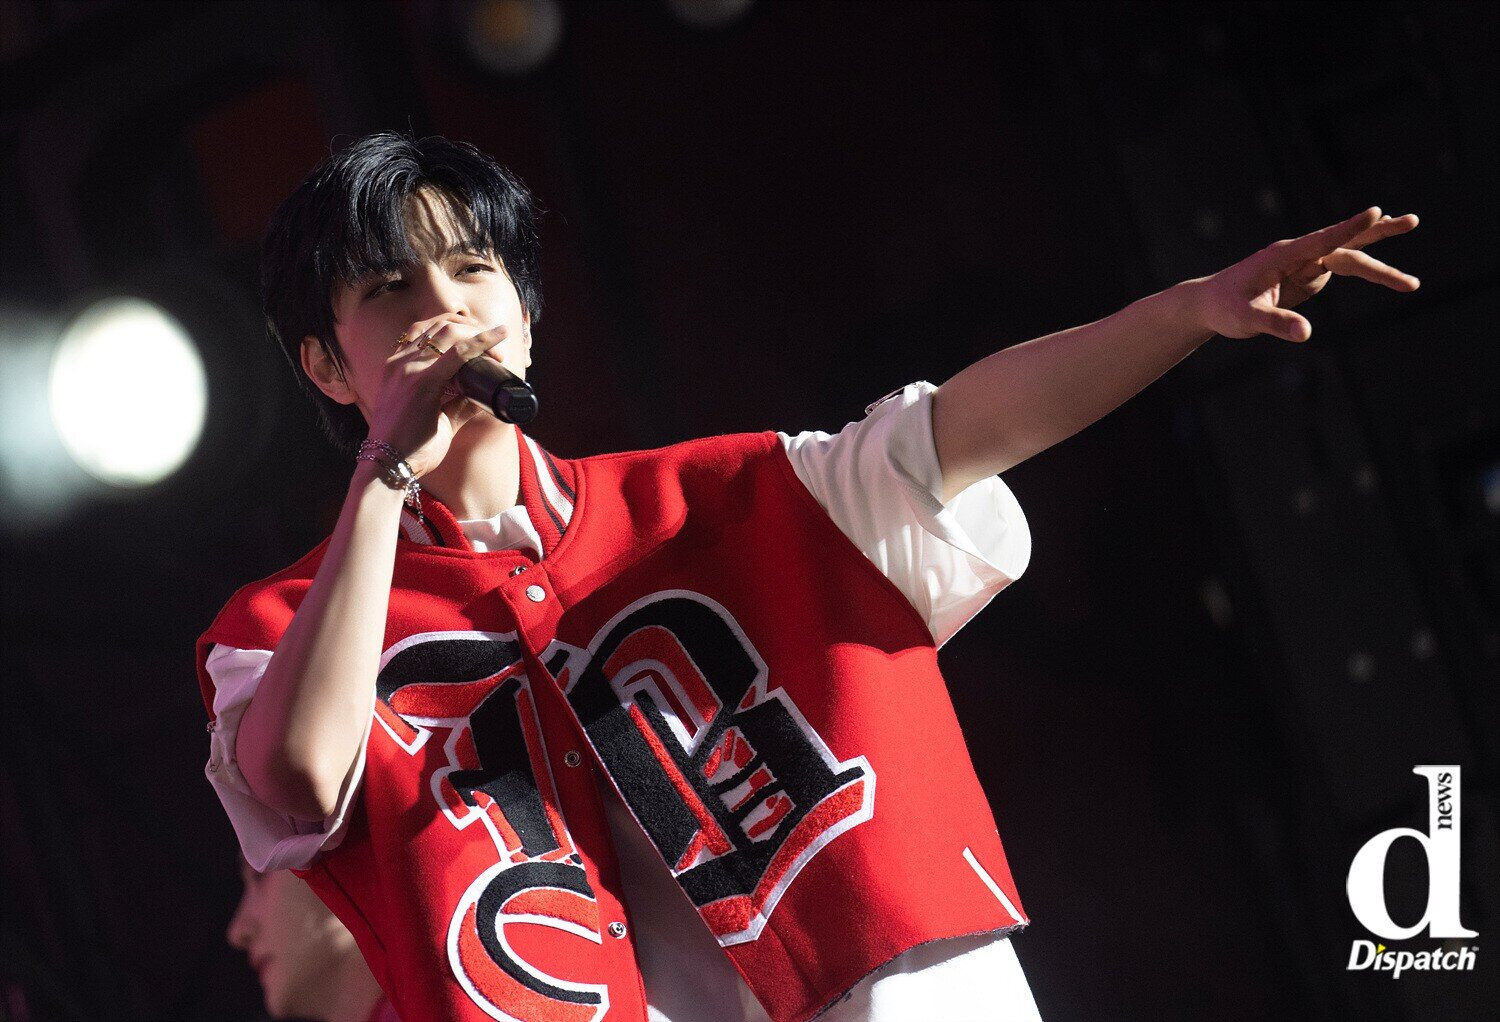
pixel 699 634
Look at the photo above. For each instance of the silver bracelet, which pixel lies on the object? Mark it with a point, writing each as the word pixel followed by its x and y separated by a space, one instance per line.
pixel 396 473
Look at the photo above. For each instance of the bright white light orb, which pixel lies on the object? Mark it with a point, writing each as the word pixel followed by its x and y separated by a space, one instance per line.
pixel 128 393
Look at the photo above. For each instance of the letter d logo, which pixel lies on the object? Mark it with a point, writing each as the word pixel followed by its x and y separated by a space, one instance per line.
pixel 1367 872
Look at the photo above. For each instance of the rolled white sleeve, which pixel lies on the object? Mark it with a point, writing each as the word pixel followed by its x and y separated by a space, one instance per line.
pixel 880 482
pixel 270 839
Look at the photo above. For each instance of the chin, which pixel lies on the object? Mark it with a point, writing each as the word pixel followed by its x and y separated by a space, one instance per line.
pixel 463 410
pixel 293 998
pixel 477 418
pixel 279 1000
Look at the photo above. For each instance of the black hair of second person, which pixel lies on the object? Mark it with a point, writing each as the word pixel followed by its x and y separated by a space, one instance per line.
pixel 347 218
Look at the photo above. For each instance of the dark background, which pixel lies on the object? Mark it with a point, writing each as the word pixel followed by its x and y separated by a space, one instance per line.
pixel 1261 592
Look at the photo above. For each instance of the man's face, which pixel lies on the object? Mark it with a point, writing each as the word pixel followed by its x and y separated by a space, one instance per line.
pixel 471 289
pixel 293 942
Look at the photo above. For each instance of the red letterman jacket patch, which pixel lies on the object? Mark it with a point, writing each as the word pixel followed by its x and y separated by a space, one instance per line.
pixel 701 635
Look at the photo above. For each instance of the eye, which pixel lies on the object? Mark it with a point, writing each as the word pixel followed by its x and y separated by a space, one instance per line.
pixel 478 266
pixel 384 285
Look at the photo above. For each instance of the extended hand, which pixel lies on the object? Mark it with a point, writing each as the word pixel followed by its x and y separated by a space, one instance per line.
pixel 1254 295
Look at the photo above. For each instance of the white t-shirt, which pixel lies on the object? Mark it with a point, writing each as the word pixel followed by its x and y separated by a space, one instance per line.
pixel 880 482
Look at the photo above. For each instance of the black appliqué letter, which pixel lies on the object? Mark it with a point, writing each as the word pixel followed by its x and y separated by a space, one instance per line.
pixel 472 687
pixel 732 785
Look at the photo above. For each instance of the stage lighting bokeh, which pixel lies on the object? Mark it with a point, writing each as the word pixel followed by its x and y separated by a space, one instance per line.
pixel 508 37
pixel 127 392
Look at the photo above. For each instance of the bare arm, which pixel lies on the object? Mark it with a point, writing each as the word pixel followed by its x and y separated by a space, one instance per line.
pixel 301 732
pixel 1018 402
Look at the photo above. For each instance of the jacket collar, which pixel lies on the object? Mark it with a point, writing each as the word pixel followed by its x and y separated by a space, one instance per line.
pixel 548 491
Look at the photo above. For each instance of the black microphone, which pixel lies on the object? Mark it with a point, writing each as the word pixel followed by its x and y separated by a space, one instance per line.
pixel 509 397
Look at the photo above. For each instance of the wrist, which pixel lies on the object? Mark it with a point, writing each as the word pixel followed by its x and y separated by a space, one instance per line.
pixel 368 475
pixel 1184 305
pixel 370 482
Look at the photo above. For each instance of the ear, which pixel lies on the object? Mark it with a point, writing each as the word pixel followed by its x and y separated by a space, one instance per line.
pixel 324 372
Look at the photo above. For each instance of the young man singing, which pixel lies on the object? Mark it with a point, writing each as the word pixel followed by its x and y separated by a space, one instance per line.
pixel 658 734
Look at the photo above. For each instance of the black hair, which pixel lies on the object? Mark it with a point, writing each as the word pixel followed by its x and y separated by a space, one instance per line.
pixel 347 219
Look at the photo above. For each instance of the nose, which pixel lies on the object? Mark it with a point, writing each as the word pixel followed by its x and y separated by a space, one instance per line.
pixel 437 294
pixel 239 932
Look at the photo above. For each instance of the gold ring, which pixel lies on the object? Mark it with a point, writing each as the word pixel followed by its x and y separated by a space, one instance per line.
pixel 427 343
pixel 402 339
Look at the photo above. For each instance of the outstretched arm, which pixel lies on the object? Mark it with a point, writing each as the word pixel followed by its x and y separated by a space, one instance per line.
pixel 1020 401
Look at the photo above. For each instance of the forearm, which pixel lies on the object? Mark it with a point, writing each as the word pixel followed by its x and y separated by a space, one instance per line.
pixel 1020 401
pixel 301 732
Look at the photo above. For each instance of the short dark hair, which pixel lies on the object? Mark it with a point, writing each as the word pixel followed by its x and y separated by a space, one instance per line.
pixel 347 219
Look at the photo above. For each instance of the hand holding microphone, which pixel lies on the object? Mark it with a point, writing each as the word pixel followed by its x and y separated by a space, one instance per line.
pixel 504 394
pixel 431 366
pixel 507 396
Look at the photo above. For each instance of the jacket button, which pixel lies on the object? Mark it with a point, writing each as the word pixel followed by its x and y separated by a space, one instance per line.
pixel 617 929
pixel 571 758
pixel 536 594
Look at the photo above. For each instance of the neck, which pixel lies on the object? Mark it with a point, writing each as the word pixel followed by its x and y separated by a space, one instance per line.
pixel 480 476
pixel 357 991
